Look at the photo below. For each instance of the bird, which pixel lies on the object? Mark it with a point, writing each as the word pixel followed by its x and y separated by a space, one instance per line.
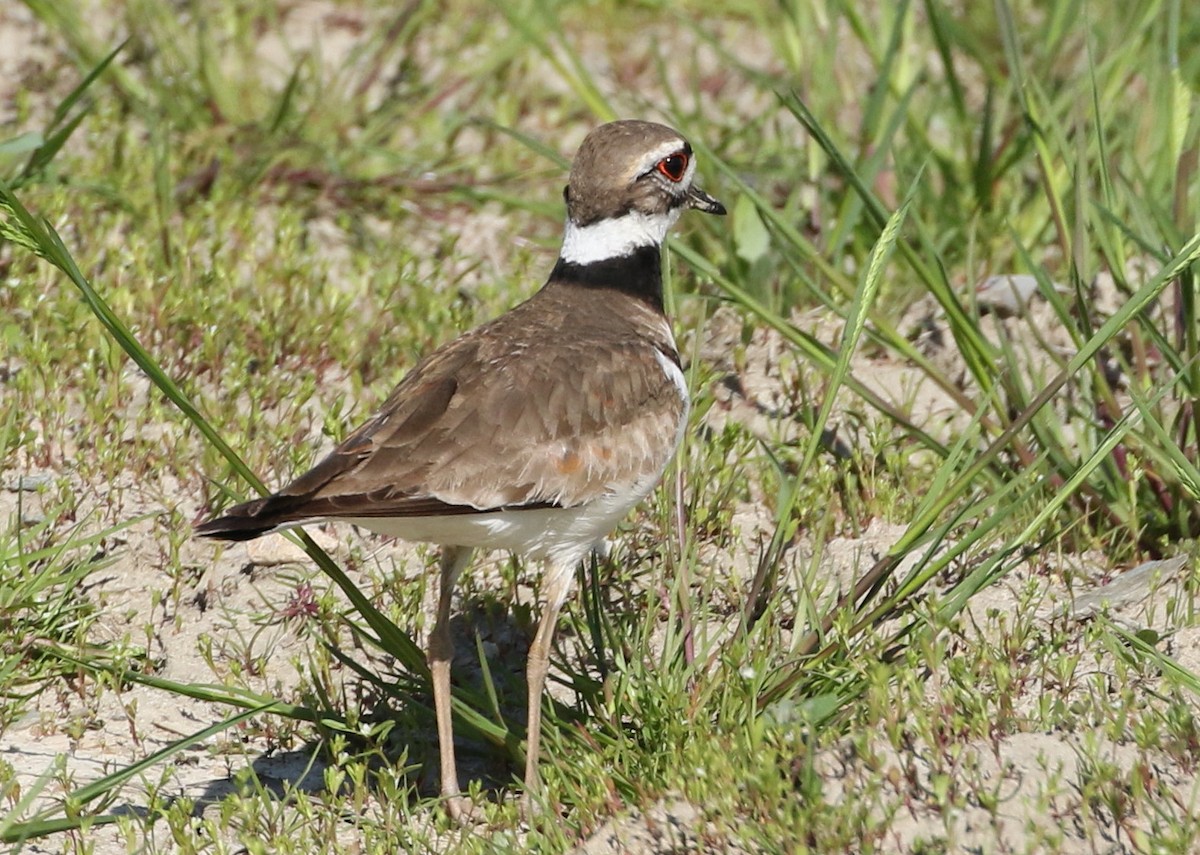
pixel 536 432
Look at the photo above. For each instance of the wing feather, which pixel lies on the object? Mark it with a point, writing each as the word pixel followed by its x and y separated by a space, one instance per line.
pixel 494 420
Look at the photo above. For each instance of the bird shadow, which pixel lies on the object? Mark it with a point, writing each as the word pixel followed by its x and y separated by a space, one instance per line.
pixel 491 643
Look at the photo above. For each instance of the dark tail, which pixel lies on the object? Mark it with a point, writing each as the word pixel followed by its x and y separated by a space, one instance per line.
pixel 247 520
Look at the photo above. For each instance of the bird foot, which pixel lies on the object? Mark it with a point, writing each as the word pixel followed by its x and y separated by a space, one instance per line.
pixel 527 809
pixel 463 810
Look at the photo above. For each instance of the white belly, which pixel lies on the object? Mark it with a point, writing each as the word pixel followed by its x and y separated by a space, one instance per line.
pixel 562 536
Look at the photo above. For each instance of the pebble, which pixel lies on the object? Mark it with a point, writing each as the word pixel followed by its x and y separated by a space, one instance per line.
pixel 30 483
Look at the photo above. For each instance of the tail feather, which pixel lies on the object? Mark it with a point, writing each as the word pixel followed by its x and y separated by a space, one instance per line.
pixel 247 520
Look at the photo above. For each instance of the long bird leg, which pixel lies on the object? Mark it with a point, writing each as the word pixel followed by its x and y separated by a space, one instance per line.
pixel 441 652
pixel 557 582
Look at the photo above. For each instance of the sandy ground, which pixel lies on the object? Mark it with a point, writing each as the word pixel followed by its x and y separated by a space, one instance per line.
pixel 231 589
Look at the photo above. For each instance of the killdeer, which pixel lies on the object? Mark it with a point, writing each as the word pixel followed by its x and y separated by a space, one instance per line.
pixel 536 432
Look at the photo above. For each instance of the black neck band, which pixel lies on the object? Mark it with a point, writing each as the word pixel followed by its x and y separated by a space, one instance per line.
pixel 638 274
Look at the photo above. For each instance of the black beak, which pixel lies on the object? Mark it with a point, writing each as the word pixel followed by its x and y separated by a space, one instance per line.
pixel 701 201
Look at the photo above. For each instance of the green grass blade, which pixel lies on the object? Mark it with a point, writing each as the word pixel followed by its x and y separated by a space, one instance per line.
pixel 814 351
pixel 109 784
pixel 49 245
pixel 1168 666
pixel 864 299
pixel 56 136
pixel 973 346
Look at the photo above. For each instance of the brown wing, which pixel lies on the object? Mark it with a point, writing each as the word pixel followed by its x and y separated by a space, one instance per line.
pixel 508 416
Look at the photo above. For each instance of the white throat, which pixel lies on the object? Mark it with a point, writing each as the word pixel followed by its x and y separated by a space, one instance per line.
pixel 614 237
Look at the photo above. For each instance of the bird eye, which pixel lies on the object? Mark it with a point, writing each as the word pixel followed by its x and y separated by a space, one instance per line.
pixel 674 166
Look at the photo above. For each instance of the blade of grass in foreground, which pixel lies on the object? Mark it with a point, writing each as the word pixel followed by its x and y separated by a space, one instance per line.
pixel 975 349
pixel 28 794
pixel 856 320
pixel 1183 259
pixel 995 567
pixel 928 516
pixel 226 695
pixel 44 823
pixel 1137 646
pixel 820 356
pixel 47 243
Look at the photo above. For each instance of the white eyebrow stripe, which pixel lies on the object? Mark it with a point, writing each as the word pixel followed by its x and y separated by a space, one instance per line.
pixel 652 157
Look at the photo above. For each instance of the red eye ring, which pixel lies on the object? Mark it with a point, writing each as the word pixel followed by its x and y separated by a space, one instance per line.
pixel 674 166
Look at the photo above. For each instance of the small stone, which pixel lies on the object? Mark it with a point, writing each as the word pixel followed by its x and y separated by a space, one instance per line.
pixel 1008 295
pixel 30 483
pixel 1131 587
